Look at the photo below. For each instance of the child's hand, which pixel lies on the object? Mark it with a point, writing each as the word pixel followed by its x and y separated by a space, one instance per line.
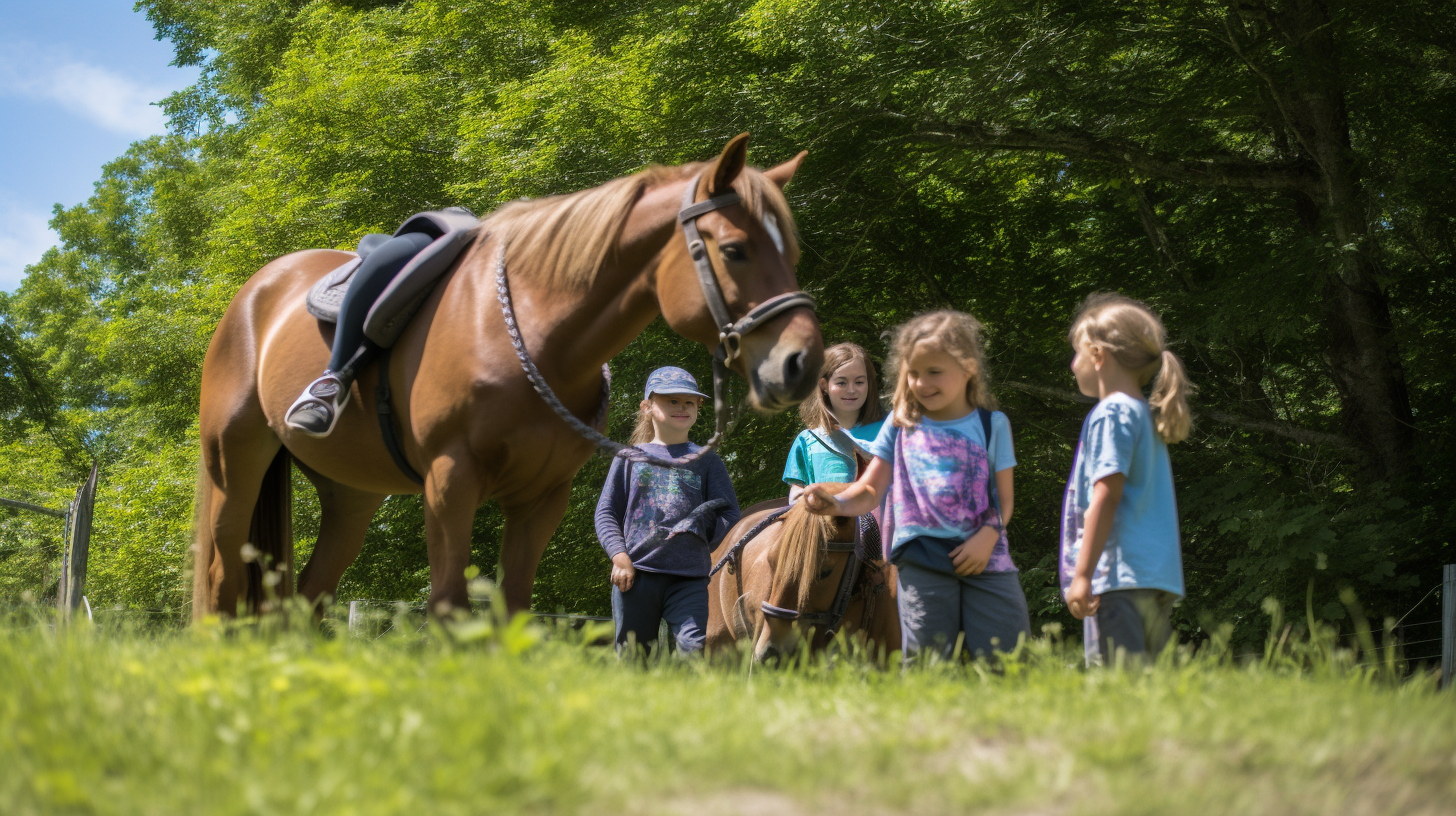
pixel 818 500
pixel 971 557
pixel 623 573
pixel 1080 600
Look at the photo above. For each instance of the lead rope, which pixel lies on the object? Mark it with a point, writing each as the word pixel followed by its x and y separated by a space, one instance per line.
pixel 630 452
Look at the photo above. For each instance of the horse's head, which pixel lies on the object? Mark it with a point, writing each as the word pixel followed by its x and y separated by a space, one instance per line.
pixel 745 248
pixel 805 579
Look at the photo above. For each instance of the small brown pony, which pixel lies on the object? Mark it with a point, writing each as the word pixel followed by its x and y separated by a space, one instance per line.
pixel 588 272
pixel 788 565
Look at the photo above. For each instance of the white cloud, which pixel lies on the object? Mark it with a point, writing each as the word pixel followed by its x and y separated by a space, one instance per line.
pixel 24 237
pixel 105 97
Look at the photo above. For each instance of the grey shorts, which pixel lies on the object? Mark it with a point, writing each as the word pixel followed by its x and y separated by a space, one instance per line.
pixel 1135 622
pixel 985 613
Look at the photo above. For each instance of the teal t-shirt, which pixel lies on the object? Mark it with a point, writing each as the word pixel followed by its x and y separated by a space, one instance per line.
pixel 1143 549
pixel 818 456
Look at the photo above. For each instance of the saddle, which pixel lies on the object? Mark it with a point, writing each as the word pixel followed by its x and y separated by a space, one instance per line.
pixel 452 229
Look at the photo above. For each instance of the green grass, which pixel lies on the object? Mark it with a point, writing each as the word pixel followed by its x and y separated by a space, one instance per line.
pixel 497 720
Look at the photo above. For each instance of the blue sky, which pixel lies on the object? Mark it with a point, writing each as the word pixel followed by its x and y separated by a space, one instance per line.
pixel 77 80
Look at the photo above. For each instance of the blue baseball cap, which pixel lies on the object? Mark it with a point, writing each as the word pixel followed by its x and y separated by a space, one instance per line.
pixel 671 380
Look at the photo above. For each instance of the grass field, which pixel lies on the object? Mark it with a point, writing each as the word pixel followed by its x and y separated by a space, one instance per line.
pixel 498 719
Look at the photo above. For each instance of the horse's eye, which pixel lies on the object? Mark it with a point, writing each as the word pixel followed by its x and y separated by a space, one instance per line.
pixel 734 252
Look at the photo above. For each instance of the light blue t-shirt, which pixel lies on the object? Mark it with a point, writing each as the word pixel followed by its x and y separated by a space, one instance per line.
pixel 820 456
pixel 1143 550
pixel 942 488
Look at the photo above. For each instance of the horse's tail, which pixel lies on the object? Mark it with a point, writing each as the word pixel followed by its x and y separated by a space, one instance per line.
pixel 270 572
pixel 802 544
pixel 270 534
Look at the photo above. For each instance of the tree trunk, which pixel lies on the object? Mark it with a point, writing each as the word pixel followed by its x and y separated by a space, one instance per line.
pixel 1364 360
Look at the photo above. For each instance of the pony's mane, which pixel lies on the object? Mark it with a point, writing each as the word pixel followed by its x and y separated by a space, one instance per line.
pixel 802 545
pixel 566 240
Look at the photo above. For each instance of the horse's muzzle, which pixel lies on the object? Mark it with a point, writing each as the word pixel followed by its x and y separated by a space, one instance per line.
pixel 784 376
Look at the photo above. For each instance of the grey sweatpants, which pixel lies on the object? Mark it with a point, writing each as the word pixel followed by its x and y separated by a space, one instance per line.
pixel 656 597
pixel 936 608
pixel 1136 622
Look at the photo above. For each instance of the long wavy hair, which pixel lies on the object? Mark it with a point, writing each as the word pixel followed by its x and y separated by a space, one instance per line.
pixel 1135 337
pixel 956 333
pixel 815 411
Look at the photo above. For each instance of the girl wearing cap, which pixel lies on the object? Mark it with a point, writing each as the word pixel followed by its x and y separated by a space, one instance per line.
pixel 659 525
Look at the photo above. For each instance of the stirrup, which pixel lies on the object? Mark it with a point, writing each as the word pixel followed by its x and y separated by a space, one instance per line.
pixel 317 410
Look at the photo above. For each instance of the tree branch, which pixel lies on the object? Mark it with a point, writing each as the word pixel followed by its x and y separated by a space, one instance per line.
pixel 1214 171
pixel 1304 436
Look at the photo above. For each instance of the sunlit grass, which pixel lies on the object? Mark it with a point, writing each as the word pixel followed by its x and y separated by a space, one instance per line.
pixel 492 717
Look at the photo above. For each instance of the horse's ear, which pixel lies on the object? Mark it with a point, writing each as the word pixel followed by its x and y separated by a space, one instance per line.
pixel 728 165
pixel 784 173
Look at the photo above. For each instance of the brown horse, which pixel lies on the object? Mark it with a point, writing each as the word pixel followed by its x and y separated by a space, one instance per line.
pixel 588 272
pixel 788 565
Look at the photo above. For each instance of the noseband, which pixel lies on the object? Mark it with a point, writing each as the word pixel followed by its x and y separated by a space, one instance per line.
pixel 730 336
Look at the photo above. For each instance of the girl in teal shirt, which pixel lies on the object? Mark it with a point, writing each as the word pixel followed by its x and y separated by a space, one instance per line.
pixel 841 418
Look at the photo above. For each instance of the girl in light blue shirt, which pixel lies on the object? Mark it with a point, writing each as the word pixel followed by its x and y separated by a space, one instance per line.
pixel 1121 562
pixel 841 418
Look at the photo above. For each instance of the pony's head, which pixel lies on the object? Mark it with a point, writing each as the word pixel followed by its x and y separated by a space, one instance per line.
pixel 752 248
pixel 805 576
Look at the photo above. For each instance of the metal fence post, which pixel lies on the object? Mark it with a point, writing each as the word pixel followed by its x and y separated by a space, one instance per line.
pixel 1448 625
pixel 355 618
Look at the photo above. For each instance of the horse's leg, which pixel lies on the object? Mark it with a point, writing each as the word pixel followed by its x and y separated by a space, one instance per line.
pixel 346 513
pixel 452 495
pixel 528 530
pixel 234 463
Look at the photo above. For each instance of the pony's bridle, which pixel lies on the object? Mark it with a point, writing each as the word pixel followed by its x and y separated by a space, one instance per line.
pixel 730 335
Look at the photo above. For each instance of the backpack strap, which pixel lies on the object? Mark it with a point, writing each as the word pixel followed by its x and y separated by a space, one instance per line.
pixel 985 417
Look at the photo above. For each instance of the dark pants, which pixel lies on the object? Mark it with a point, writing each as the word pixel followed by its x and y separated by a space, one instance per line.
pixel 369 281
pixel 938 608
pixel 655 597
pixel 1135 622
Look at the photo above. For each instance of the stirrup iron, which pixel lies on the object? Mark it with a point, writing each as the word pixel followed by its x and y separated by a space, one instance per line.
pixel 318 408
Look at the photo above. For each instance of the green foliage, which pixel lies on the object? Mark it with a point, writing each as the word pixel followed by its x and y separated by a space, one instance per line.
pixel 1000 157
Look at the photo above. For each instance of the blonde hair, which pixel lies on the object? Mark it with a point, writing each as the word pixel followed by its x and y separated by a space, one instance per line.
pixel 955 333
pixel 815 411
pixel 566 240
pixel 1134 335
pixel 643 431
pixel 802 544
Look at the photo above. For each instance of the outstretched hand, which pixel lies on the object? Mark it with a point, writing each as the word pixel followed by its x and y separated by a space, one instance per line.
pixel 818 499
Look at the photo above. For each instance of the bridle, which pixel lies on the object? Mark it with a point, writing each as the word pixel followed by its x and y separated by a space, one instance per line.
pixel 730 336
pixel 828 621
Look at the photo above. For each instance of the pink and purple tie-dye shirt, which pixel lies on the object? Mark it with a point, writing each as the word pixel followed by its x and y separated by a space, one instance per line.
pixel 941 478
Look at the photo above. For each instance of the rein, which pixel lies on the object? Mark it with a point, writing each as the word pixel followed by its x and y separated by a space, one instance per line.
pixel 730 337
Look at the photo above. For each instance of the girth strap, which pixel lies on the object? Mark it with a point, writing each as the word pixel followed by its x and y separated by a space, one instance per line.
pixel 386 422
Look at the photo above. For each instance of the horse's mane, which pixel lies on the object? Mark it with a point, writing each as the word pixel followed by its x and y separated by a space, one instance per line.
pixel 802 545
pixel 566 240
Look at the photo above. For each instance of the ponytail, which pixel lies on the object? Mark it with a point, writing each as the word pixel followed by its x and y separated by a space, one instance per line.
pixel 1169 399
pixel 1134 335
pixel 643 432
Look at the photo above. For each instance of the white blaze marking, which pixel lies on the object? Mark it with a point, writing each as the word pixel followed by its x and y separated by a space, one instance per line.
pixel 771 224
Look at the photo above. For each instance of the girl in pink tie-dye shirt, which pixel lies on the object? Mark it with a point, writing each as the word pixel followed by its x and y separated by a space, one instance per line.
pixel 943 466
